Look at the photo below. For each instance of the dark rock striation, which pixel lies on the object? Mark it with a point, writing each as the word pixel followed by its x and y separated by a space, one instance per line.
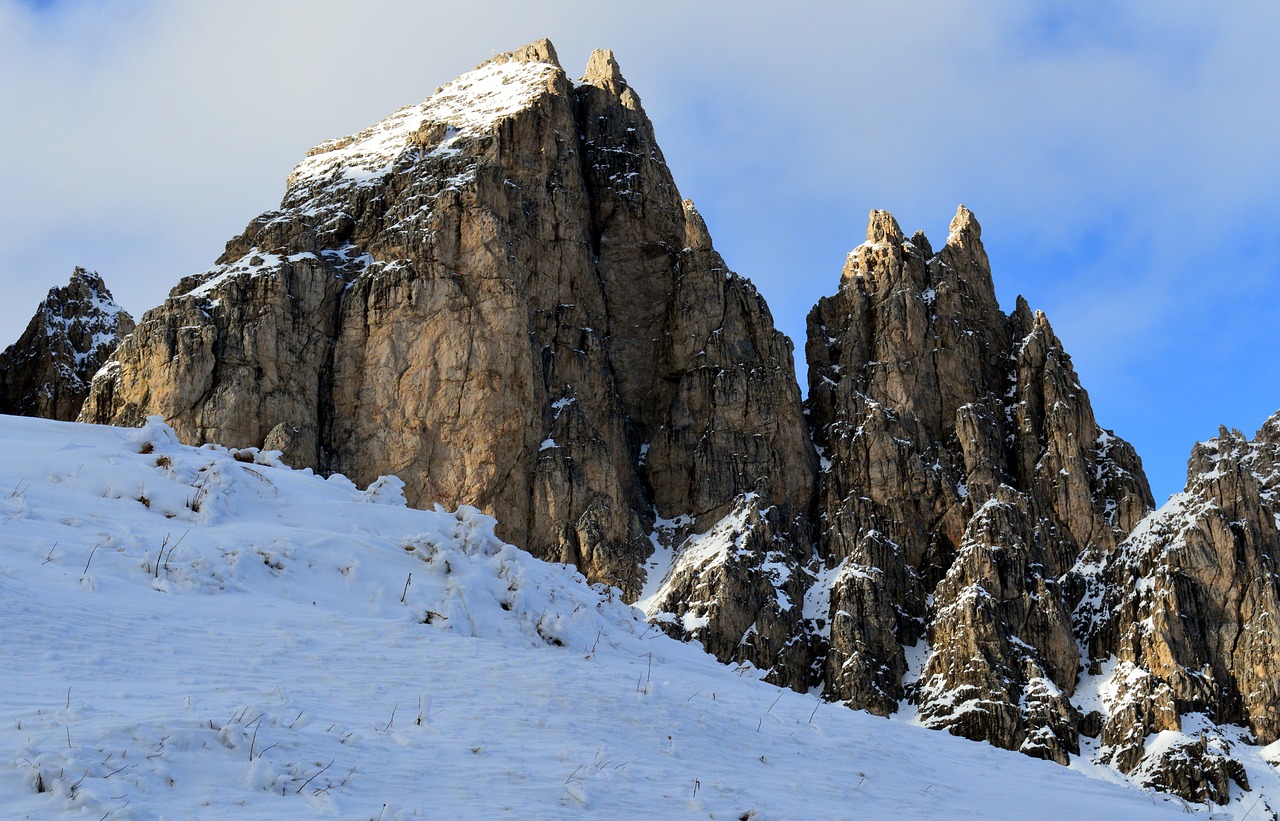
pixel 47 372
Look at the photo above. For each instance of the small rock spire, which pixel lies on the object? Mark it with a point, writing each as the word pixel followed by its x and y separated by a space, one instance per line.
pixel 1022 318
pixel 963 224
pixel 697 237
pixel 603 70
pixel 882 227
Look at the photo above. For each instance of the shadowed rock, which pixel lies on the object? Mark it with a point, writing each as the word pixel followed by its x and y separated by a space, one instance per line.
pixel 963 474
pixel 47 372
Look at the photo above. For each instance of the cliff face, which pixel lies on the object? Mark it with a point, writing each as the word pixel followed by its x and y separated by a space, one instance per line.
pixel 47 372
pixel 963 473
pixel 499 295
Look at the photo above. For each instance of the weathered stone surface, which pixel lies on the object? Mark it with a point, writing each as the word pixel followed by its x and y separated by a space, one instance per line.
pixel 963 474
pixel 500 296
pixel 47 372
pixel 1180 619
pixel 732 443
pixel 1199 770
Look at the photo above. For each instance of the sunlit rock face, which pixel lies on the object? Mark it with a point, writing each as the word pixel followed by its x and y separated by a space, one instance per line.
pixel 1180 622
pixel 499 295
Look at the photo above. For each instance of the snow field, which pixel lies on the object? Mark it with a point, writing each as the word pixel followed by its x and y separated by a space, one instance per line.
pixel 205 633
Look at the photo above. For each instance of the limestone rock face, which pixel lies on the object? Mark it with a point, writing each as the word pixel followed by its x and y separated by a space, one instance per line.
pixel 47 372
pixel 1180 620
pixel 963 473
pixel 500 296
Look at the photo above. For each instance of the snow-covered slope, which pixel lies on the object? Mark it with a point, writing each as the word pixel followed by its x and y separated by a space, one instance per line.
pixel 204 633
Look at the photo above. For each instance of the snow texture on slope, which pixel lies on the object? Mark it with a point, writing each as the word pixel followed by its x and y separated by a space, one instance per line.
pixel 202 632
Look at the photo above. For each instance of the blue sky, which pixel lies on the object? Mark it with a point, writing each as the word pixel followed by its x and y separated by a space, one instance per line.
pixel 1122 156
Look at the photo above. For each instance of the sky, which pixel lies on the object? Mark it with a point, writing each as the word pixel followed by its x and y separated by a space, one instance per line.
pixel 1122 157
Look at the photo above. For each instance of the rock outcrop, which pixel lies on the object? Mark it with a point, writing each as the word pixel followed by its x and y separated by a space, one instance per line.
pixel 963 473
pixel 47 372
pixel 1180 622
pixel 500 296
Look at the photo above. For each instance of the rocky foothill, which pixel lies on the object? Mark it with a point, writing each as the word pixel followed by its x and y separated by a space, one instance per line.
pixel 47 372
pixel 500 295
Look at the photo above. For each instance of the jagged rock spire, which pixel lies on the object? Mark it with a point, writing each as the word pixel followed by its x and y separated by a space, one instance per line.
pixel 882 227
pixel 1180 622
pixel 964 475
pixel 539 51
pixel 603 71
pixel 47 371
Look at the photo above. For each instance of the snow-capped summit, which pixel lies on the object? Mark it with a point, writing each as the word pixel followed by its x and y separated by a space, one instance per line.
pixel 465 108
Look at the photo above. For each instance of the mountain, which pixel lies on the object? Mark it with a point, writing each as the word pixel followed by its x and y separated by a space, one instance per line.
pixel 47 372
pixel 963 474
pixel 499 296
pixel 205 633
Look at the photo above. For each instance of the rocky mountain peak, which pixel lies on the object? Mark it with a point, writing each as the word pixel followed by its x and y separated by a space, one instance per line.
pixel 1022 317
pixel 1269 433
pixel 459 114
pixel 882 227
pixel 964 226
pixel 1179 627
pixel 48 370
pixel 963 475
pixel 500 295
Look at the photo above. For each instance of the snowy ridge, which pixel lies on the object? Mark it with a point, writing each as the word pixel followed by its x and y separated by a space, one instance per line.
pixel 202 632
pixel 48 370
pixel 253 263
pixel 341 177
pixel 469 106
pixel 80 328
